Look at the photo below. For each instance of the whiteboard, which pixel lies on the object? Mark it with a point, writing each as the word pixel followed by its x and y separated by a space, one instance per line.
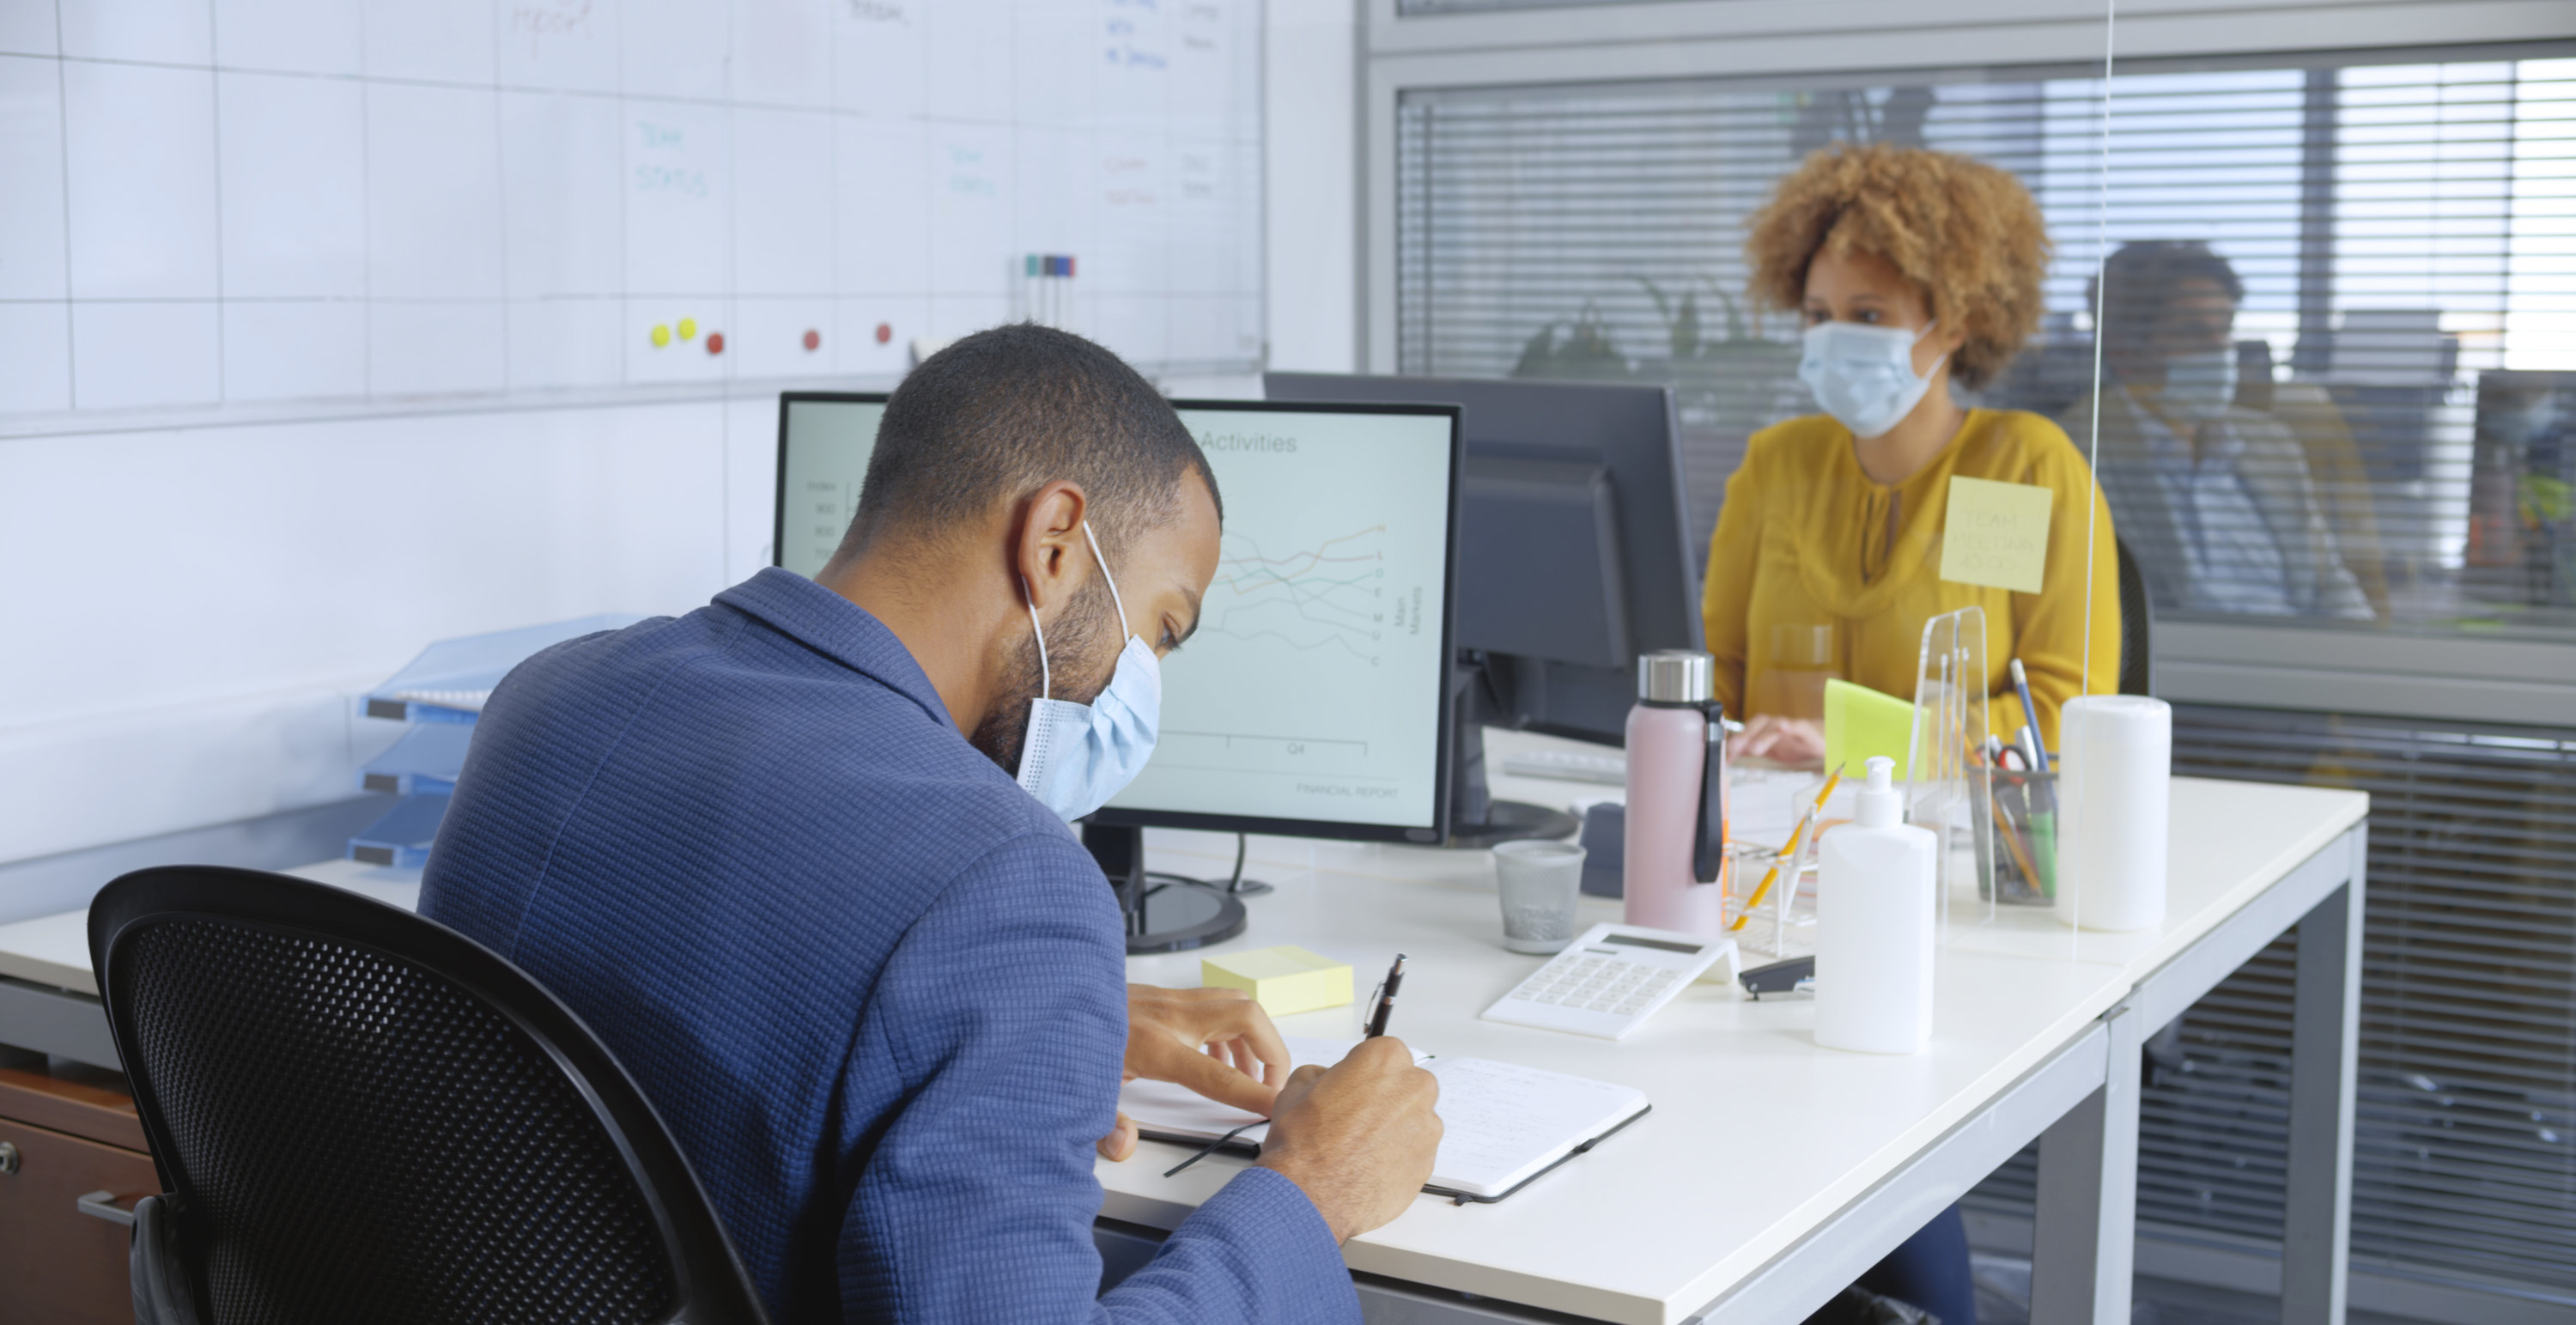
pixel 384 199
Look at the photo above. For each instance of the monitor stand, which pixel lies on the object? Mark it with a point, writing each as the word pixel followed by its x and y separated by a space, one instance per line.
pixel 1476 819
pixel 1163 912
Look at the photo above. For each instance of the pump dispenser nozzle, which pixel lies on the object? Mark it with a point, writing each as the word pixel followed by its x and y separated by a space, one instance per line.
pixel 1878 806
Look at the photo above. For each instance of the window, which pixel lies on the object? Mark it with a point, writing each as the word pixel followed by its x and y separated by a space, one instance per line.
pixel 2399 247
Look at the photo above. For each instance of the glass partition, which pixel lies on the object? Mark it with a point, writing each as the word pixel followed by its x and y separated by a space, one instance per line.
pixel 2340 354
pixel 2313 319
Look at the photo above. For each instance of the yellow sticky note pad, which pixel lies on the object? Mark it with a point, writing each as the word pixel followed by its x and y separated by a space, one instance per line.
pixel 1282 980
pixel 1860 722
pixel 1996 534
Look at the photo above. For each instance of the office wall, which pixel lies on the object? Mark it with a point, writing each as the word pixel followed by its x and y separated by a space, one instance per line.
pixel 1311 132
pixel 190 610
pixel 213 536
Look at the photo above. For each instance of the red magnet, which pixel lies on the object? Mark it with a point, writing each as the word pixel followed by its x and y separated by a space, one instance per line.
pixel 813 340
pixel 715 342
pixel 885 332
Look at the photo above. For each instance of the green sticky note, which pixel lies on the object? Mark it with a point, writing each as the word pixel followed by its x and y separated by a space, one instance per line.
pixel 1996 534
pixel 1860 722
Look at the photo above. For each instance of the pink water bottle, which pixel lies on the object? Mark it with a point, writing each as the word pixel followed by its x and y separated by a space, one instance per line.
pixel 1676 828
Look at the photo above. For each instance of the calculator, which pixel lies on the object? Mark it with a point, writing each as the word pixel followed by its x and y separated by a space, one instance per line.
pixel 1609 981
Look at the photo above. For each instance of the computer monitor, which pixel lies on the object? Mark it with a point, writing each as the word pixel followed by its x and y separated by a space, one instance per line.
pixel 824 441
pixel 1574 558
pixel 1315 698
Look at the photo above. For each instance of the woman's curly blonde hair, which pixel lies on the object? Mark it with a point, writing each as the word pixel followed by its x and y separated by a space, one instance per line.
pixel 1966 233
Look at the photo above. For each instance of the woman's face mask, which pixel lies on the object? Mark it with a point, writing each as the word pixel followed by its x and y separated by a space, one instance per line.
pixel 1863 375
pixel 1076 756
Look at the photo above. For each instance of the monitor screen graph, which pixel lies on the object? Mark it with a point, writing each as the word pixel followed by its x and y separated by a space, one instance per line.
pixel 1313 697
pixel 1314 687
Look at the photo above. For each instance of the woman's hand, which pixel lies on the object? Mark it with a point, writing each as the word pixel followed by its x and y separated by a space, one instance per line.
pixel 1796 742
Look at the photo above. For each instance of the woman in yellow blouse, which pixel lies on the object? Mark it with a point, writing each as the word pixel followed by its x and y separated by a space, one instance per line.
pixel 1913 268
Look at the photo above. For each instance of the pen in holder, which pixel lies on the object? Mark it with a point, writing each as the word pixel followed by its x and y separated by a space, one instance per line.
pixel 2024 810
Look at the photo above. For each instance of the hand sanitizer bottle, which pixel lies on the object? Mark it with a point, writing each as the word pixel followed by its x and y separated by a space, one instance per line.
pixel 1875 902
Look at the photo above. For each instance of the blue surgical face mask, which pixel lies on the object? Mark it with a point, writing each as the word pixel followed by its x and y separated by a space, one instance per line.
pixel 1077 756
pixel 1863 375
pixel 2199 387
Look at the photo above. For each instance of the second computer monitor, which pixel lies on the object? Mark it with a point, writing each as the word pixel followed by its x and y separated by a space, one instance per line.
pixel 1573 553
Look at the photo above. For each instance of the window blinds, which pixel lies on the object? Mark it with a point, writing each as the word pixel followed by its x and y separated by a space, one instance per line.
pixel 2403 231
pixel 2401 447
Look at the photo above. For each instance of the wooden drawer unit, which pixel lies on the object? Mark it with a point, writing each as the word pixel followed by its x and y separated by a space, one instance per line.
pixel 72 1132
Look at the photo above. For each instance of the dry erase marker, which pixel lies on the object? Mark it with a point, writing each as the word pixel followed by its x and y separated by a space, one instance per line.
pixel 2029 710
pixel 1386 998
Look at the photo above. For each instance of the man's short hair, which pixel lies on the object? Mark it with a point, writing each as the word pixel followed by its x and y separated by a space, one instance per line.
pixel 2141 278
pixel 1002 413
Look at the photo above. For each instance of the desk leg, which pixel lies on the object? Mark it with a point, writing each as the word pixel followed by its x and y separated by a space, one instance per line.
pixel 2084 1242
pixel 2325 1031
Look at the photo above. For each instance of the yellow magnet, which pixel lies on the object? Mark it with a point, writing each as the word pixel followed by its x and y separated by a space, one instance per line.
pixel 688 328
pixel 661 335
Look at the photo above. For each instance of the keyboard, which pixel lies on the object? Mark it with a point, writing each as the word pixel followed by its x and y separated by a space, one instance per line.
pixel 1609 767
pixel 1609 981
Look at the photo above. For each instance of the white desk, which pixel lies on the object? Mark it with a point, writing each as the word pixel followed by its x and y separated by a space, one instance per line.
pixel 1771 1172
pixel 49 996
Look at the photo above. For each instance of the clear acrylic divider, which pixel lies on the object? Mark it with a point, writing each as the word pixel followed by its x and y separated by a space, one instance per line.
pixel 1947 760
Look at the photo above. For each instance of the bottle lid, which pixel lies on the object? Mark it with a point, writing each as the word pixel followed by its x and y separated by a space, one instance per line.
pixel 1676 676
pixel 1877 805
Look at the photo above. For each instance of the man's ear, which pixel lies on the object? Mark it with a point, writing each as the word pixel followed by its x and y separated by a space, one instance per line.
pixel 1047 549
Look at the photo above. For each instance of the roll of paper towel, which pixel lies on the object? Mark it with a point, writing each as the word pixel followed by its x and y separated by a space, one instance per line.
pixel 2114 796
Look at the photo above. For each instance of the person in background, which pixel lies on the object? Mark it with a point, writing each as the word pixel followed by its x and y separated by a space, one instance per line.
pixel 2215 500
pixel 2336 469
pixel 1913 269
pixel 798 860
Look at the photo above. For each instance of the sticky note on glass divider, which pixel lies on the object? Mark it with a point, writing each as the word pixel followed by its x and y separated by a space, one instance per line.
pixel 1996 534
pixel 1283 980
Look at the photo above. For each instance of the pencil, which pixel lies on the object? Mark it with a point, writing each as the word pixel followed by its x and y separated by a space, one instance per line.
pixel 1830 783
pixel 1789 852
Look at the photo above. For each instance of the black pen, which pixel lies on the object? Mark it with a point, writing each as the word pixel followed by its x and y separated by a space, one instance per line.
pixel 1386 998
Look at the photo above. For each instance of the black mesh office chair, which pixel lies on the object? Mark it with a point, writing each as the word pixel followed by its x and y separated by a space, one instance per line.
pixel 2137 623
pixel 362 1115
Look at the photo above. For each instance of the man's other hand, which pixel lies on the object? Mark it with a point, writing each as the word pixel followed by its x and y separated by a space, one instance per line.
pixel 1121 1141
pixel 1217 1042
pixel 1358 1139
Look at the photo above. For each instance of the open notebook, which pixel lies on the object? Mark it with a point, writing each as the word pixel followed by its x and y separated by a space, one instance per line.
pixel 1502 1124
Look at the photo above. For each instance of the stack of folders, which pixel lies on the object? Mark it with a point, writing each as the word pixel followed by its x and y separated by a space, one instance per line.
pixel 438 695
pixel 1503 1125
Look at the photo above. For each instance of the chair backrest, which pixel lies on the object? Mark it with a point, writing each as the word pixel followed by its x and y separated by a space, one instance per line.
pixel 365 1115
pixel 2137 625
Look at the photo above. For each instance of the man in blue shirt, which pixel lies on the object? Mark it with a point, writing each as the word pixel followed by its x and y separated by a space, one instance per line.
pixel 2215 499
pixel 775 854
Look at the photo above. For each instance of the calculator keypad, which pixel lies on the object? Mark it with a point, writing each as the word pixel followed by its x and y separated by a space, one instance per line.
pixel 1597 984
pixel 1609 981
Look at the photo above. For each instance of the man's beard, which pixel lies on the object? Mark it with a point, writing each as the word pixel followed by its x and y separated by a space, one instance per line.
pixel 1072 642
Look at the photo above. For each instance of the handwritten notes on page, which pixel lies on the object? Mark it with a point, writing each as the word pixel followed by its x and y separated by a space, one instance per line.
pixel 1996 534
pixel 1503 1122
